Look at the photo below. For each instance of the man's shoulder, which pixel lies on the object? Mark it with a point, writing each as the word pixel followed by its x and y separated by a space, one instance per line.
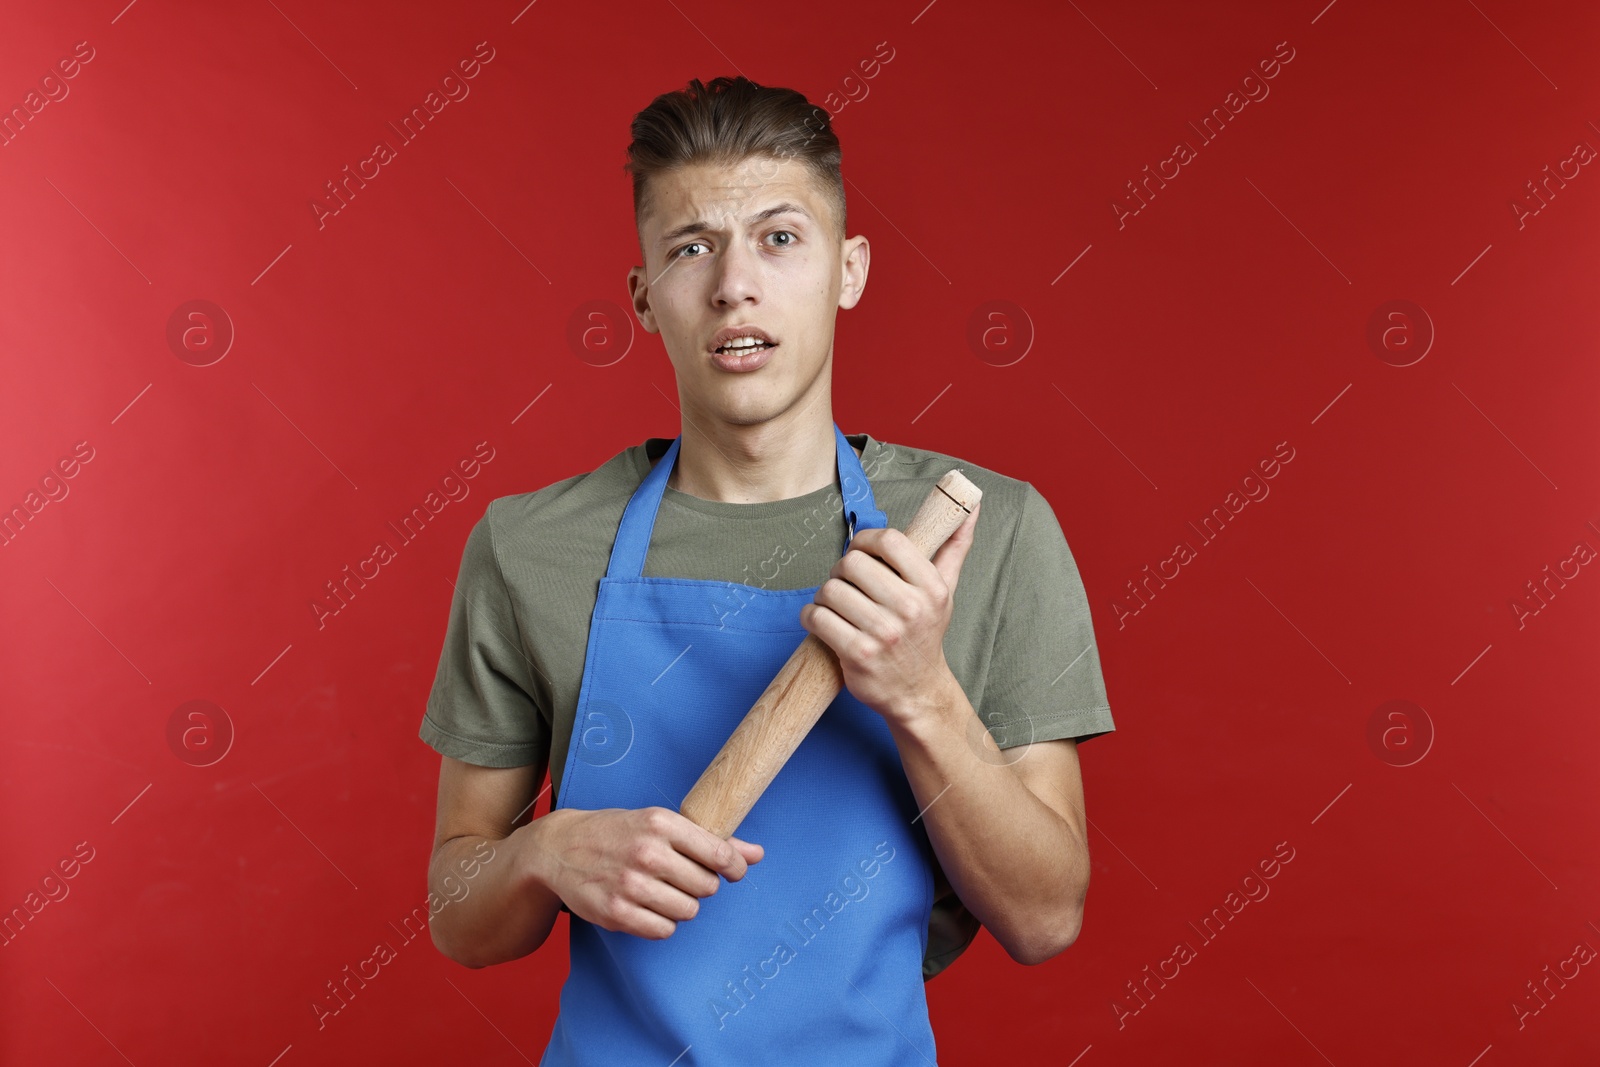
pixel 894 460
pixel 593 499
pixel 903 474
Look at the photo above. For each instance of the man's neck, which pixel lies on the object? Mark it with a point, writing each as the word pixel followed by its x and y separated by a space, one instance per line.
pixel 756 464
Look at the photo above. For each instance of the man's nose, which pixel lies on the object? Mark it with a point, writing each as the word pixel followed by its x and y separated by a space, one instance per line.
pixel 738 273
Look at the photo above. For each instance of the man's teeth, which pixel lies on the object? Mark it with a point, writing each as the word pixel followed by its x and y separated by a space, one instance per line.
pixel 743 346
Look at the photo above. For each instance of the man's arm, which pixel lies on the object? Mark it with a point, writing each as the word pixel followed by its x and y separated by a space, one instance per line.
pixel 639 871
pixel 505 913
pixel 1008 828
pixel 1011 841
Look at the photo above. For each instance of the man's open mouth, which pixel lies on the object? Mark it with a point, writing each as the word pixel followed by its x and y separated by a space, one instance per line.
pixel 741 340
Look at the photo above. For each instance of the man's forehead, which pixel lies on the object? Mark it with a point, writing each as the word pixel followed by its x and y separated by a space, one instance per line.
pixel 717 194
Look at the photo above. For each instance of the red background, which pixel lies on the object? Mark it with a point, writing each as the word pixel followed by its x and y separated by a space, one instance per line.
pixel 1229 314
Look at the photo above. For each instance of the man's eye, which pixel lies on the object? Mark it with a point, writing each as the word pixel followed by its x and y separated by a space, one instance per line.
pixel 786 233
pixel 685 248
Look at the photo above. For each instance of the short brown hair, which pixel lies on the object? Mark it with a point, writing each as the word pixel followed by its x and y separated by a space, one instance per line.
pixel 727 121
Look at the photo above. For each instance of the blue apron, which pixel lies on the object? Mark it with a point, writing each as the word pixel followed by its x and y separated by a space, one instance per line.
pixel 815 956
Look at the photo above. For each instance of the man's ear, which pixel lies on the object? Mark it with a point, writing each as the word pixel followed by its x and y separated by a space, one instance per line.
pixel 857 255
pixel 639 297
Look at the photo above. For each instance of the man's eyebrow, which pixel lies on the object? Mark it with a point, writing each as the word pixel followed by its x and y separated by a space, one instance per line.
pixel 700 225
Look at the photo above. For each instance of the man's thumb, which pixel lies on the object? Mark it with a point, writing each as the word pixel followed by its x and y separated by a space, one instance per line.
pixel 953 553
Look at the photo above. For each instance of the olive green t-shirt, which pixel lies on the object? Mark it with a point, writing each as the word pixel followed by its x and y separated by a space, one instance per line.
pixel 1020 640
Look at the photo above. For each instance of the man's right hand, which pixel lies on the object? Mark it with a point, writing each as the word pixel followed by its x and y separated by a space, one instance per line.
pixel 636 871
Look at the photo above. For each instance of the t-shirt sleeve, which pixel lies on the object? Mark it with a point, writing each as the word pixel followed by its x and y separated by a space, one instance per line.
pixel 482 708
pixel 1044 679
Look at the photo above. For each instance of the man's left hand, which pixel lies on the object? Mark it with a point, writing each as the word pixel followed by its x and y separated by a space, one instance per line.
pixel 884 611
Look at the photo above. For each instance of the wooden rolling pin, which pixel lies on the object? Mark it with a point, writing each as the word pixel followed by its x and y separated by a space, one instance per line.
pixel 802 691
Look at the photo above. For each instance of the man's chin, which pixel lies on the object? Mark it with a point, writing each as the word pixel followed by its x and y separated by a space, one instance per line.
pixel 744 406
pixel 748 399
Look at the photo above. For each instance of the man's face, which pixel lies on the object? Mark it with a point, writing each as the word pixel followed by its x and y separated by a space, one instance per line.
pixel 751 243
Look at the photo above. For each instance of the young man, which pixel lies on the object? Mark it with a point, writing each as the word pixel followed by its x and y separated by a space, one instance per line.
pixel 614 627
